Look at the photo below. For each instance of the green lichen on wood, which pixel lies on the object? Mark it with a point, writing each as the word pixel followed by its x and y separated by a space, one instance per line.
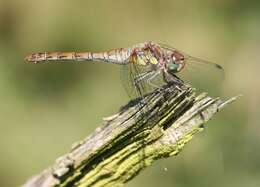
pixel 144 131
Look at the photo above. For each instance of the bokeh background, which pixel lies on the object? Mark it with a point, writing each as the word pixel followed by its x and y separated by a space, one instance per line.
pixel 45 108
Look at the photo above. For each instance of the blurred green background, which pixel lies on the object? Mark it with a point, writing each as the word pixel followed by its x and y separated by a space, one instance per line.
pixel 45 108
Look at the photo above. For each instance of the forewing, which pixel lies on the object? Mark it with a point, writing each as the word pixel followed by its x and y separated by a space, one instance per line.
pixel 198 72
pixel 128 75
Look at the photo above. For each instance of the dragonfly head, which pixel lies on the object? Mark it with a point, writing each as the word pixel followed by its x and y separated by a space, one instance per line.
pixel 175 62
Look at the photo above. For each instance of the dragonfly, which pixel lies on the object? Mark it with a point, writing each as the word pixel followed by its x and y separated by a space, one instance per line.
pixel 145 61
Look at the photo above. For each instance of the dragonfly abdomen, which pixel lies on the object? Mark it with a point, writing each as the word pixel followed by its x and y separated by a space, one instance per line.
pixel 58 56
pixel 117 56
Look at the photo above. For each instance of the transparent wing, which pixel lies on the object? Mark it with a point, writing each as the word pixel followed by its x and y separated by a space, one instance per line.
pixel 203 75
pixel 198 62
pixel 205 67
pixel 195 60
pixel 135 80
pixel 141 76
pixel 198 72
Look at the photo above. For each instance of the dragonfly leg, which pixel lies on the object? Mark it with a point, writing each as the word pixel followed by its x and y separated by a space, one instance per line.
pixel 142 77
pixel 148 77
pixel 173 79
pixel 151 78
pixel 137 82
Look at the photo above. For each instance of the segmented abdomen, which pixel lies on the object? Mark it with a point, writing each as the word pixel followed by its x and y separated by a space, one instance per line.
pixel 117 56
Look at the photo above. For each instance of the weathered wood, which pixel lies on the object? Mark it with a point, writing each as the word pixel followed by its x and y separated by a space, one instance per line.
pixel 157 126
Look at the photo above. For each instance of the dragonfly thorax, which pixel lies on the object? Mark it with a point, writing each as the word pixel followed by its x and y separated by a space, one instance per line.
pixel 144 58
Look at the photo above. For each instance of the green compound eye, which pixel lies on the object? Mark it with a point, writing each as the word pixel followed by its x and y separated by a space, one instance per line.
pixel 173 68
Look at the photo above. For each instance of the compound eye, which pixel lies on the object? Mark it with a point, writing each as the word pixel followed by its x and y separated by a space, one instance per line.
pixel 176 56
pixel 173 68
